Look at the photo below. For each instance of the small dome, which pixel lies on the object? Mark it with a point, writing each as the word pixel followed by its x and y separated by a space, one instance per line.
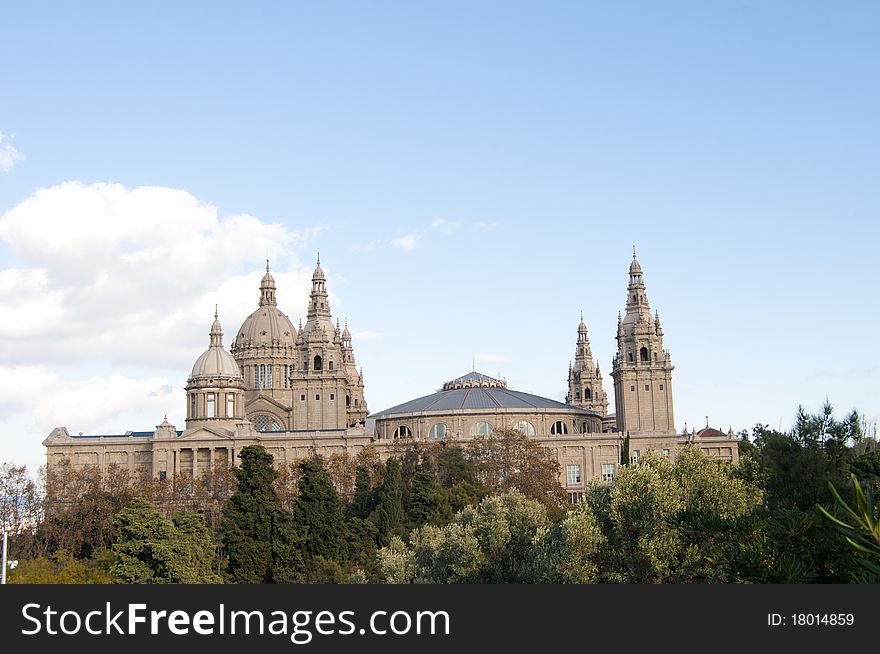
pixel 345 333
pixel 635 268
pixel 215 361
pixel 318 274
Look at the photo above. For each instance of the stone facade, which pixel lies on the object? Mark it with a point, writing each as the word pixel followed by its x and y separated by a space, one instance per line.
pixel 297 391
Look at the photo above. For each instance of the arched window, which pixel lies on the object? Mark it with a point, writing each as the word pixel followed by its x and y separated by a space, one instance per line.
pixel 577 395
pixel 402 432
pixel 319 363
pixel 266 423
pixel 643 354
pixel 347 401
pixel 481 428
pixel 192 406
pixel 230 405
pixel 262 375
pixel 438 432
pixel 269 376
pixel 588 393
pixel 355 402
pixel 526 428
pixel 558 428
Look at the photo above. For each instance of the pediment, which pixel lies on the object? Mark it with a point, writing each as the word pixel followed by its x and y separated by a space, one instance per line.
pixel 206 433
pixel 250 404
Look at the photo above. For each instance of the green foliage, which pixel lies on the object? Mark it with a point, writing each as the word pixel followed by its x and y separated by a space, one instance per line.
pixel 318 512
pixel 567 552
pixel 390 509
pixel 260 537
pixel 151 549
pixel 428 504
pixel 637 515
pixel 364 500
pixel 866 468
pixel 860 525
pixel 491 542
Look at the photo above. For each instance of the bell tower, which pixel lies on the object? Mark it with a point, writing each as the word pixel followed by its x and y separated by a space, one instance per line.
pixel 642 369
pixel 584 378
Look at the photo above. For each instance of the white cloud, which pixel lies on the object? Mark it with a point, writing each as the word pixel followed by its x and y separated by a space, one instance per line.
pixel 110 279
pixel 407 242
pixel 115 273
pixel 487 226
pixel 9 156
pixel 366 335
pixel 446 226
pixel 488 357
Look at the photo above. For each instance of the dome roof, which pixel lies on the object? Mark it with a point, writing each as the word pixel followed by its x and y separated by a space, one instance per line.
pixel 265 326
pixel 215 361
pixel 635 268
pixel 487 399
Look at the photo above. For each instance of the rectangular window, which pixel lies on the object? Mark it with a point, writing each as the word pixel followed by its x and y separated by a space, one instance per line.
pixel 665 452
pixel 211 406
pixel 574 498
pixel 230 405
pixel 302 397
pixel 286 375
pixel 608 472
pixel 192 406
pixel 647 388
pixel 661 387
pixel 317 397
pixel 269 376
pixel 632 388
pixel 163 475
pixel 636 456
pixel 332 396
pixel 573 474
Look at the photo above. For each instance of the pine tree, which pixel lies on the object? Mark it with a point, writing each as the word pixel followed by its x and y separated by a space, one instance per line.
pixel 318 512
pixel 259 535
pixel 390 503
pixel 363 501
pixel 151 549
pixel 427 503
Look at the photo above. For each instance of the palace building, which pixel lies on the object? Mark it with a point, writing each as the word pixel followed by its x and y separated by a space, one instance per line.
pixel 297 391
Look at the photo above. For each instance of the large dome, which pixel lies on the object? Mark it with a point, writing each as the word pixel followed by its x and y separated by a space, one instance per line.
pixel 215 362
pixel 267 326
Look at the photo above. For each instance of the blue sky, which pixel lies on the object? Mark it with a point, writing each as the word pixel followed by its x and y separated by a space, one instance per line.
pixel 736 144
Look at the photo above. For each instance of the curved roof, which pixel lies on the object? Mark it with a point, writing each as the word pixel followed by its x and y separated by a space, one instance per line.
pixel 476 398
pixel 215 362
pixel 267 326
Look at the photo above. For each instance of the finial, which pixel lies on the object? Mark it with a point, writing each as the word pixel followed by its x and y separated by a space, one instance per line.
pixel 215 312
pixel 319 257
pixel 474 364
pixel 582 315
pixel 267 262
pixel 166 417
pixel 634 250
pixel 707 422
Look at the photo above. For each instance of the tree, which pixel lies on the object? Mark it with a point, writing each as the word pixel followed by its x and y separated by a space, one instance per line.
pixel 363 502
pixel 259 535
pixel 154 550
pixel 639 515
pixel 427 503
pixel 567 552
pixel 61 568
pixel 390 509
pixel 490 542
pixel 507 460
pixel 318 512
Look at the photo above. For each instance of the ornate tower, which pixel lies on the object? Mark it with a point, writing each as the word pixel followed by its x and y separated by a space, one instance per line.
pixel 215 389
pixel 265 350
pixel 584 378
pixel 642 369
pixel 327 389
